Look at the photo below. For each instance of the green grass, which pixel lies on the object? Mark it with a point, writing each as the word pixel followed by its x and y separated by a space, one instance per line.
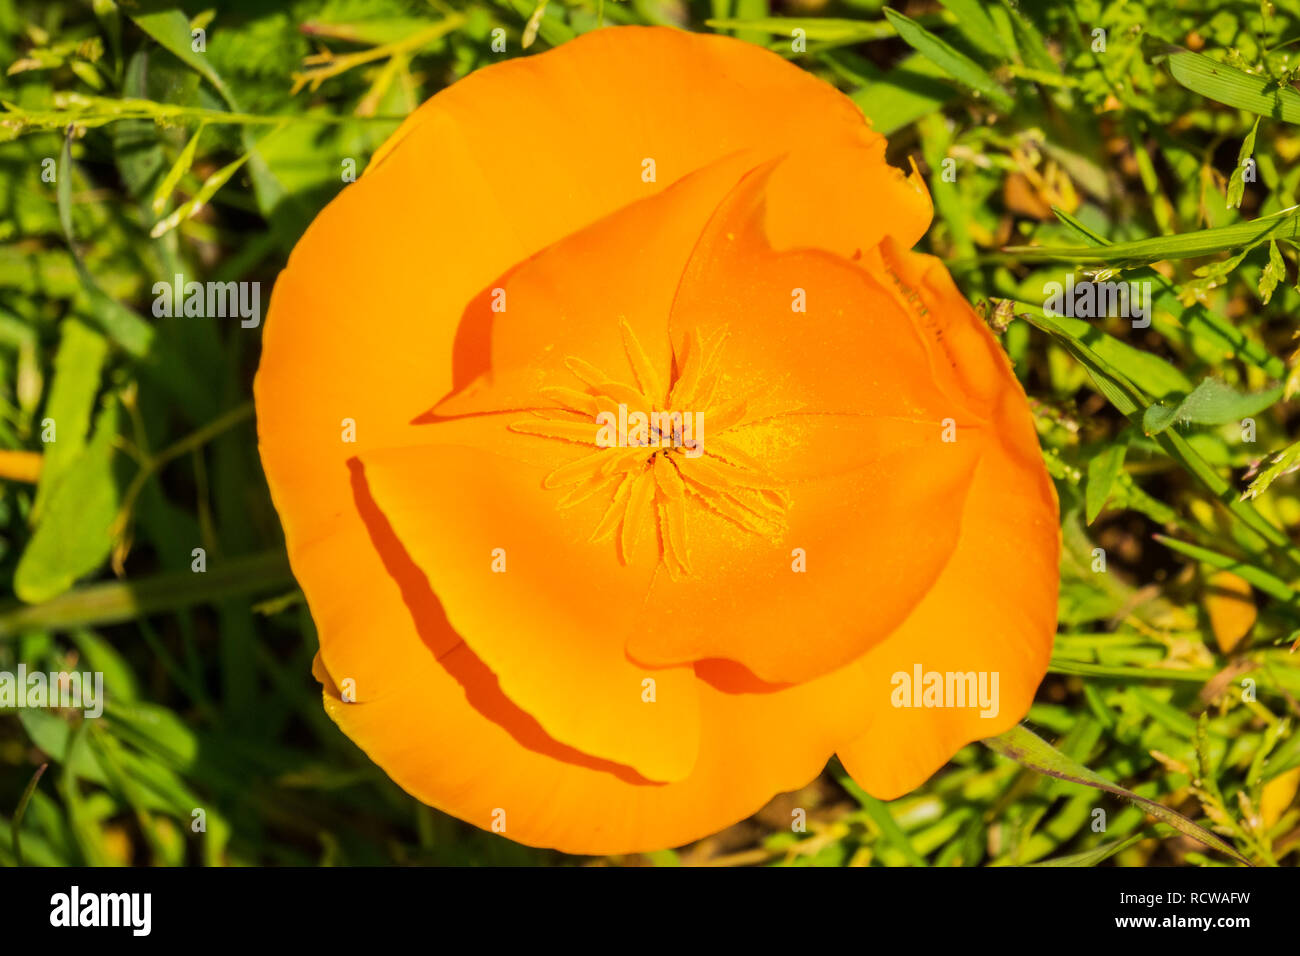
pixel 125 156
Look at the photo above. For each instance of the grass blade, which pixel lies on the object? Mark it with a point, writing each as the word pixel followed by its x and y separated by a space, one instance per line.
pixel 1028 749
pixel 1232 87
pixel 111 603
pixel 1187 245
pixel 953 62
pixel 17 824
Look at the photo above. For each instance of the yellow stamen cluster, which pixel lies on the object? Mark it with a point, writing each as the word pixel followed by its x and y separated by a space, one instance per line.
pixel 654 483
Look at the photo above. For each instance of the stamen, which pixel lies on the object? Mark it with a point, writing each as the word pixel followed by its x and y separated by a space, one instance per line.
pixel 656 477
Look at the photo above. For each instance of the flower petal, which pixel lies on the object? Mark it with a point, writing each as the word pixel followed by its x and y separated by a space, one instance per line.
pixel 992 610
pixel 441 727
pixel 540 603
pixel 849 418
pixel 362 324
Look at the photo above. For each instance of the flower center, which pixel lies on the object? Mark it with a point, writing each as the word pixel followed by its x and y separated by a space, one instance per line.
pixel 658 451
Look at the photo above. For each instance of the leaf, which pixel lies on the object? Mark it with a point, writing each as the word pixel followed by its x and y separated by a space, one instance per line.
pixel 1171 718
pixel 1285 758
pixel 122 325
pixel 1277 795
pixel 827 29
pixel 77 368
pixel 911 89
pixel 551 29
pixel 130 786
pixel 953 62
pixel 1103 471
pixel 1210 403
pixel 881 816
pixel 1267 582
pixel 17 825
pixel 976 26
pixel 157 730
pixel 1030 40
pixel 949 203
pixel 1094 856
pixel 379 32
pixel 534 23
pixel 195 203
pixel 751 10
pixel 171 30
pixel 1230 603
pixel 1201 321
pixel 1128 399
pixel 1218 271
pixel 1273 273
pixel 73 537
pixel 20 466
pixel 1237 181
pixel 78 762
pixel 179 169
pixel 1187 245
pixel 1028 749
pixel 99 656
pixel 1150 373
pixel 1288 459
pixel 1274 733
pixel 115 601
pixel 1232 87
pixel 53 736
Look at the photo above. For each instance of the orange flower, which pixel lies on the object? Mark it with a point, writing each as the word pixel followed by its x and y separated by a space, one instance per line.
pixel 540 617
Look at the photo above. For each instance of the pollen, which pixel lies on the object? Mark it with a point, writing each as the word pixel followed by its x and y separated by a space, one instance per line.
pixel 660 451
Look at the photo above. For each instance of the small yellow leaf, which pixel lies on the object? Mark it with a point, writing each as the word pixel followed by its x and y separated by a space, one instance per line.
pixel 1021 197
pixel 1231 605
pixel 22 466
pixel 1277 795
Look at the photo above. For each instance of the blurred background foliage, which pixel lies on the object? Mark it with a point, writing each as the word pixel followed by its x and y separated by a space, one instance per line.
pixel 1168 128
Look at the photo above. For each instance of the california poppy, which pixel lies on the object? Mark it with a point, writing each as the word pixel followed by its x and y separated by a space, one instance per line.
pixel 631 463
